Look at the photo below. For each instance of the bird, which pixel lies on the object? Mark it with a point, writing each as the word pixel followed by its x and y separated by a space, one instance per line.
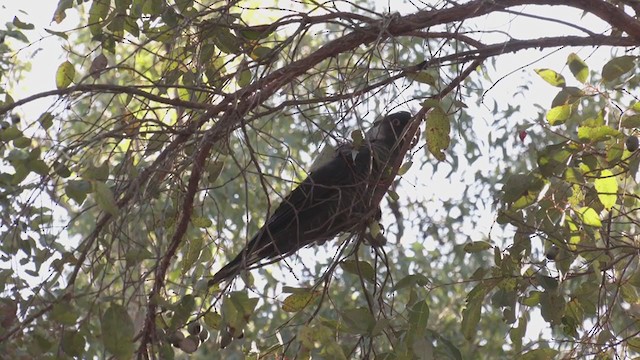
pixel 336 197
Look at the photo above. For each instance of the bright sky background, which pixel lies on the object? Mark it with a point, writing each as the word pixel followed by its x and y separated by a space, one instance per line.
pixel 46 61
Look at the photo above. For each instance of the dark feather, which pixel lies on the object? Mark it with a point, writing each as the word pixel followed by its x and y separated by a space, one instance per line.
pixel 334 198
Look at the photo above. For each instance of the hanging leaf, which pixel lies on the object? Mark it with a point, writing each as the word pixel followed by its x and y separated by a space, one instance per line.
pixel 359 268
pixel 117 332
pixel 617 67
pixel 64 75
pixel 559 114
pixel 437 132
pixel 97 65
pixel 105 199
pixel 578 68
pixel 607 187
pixel 477 246
pixel 551 77
pixel 299 300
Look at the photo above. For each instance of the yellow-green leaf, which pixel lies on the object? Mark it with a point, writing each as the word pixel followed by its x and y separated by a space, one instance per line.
pixel 359 268
pixel 574 235
pixel 632 121
pixel 298 301
pixel 477 246
pixel 589 217
pixel 64 75
pixel 578 68
pixel 551 77
pixel 404 168
pixel 607 187
pixel 105 199
pixel 423 77
pixel 596 133
pixel 559 114
pixel 437 132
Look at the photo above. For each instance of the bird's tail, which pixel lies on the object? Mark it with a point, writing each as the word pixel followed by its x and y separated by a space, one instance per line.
pixel 227 272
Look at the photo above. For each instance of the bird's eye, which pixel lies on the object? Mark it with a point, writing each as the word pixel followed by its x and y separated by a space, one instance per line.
pixel 396 122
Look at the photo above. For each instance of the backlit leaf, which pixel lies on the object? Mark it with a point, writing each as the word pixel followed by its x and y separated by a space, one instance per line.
pixel 551 77
pixel 617 67
pixel 437 132
pixel 559 114
pixel 578 68
pixel 64 75
pixel 298 301
pixel 607 187
pixel 589 217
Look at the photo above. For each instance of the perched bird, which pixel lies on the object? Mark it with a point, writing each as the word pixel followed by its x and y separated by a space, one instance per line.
pixel 336 197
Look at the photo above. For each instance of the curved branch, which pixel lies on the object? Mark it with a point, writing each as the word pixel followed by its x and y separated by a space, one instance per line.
pixel 105 88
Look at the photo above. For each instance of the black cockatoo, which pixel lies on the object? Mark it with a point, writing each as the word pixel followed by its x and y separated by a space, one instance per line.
pixel 336 197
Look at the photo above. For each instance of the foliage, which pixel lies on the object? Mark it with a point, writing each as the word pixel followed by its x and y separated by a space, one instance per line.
pixel 178 125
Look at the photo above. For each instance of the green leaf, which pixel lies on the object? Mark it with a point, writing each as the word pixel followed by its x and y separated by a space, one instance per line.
pixel 411 280
pixel 359 268
pixel 105 199
pixel 225 41
pixel 22 142
pixel 213 320
pixel 256 32
pixel 634 344
pixel 404 168
pixel 38 166
pixel 477 246
pixel 182 311
pixel 470 318
pixel 22 25
pixel 539 354
pixel 156 141
pixel 589 217
pixel 359 320
pixel 551 77
pixel 244 78
pixel 73 343
pixel 261 52
pixel 117 332
pixel 418 318
pixel 201 222
pixel 552 307
pixel 192 254
pixel 46 120
pixel 59 14
pixel 300 300
pixel 567 95
pixel 214 169
pixel 423 77
pixel 632 121
pixel 471 312
pixel 64 313
pixel 559 114
pixel 617 67
pixel 64 75
pixel 10 133
pixel 595 134
pixel 516 334
pixel 607 187
pixel 437 132
pixel 77 190
pixel 578 68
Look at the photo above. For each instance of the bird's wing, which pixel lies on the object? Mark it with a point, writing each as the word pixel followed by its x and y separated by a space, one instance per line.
pixel 317 194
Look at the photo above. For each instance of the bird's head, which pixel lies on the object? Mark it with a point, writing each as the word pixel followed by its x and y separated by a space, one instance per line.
pixel 389 129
